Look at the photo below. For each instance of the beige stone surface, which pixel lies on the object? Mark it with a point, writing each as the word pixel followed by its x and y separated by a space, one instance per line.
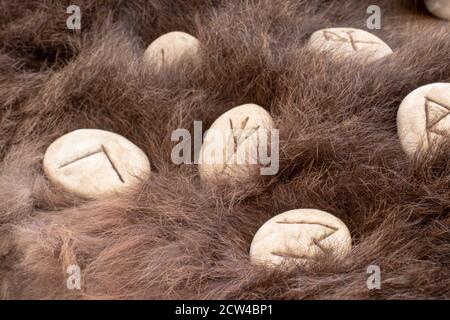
pixel 172 48
pixel 439 8
pixel 423 117
pixel 230 149
pixel 95 164
pixel 349 43
pixel 299 237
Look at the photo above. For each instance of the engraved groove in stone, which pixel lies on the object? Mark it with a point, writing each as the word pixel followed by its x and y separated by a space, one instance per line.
pixel 427 120
pixel 350 39
pixel 311 223
pixel 236 139
pixel 112 163
pixel 430 123
pixel 81 158
pixel 289 255
pixel 254 131
pixel 438 103
pixel 314 241
pixel 102 149
pixel 244 123
pixel 162 56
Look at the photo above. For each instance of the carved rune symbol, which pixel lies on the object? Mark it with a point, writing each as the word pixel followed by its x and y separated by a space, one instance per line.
pixel 162 57
pixel 348 38
pixel 237 138
pixel 101 149
pixel 315 241
pixel 435 113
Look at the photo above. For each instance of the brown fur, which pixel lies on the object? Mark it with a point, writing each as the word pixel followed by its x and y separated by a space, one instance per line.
pixel 175 237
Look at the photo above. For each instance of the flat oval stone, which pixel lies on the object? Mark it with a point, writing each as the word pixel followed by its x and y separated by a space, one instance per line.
pixel 230 150
pixel 439 8
pixel 171 49
pixel 349 43
pixel 94 163
pixel 423 118
pixel 299 237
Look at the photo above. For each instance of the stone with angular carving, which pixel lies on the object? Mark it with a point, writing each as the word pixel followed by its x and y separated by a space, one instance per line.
pixel 349 43
pixel 300 237
pixel 230 151
pixel 94 164
pixel 423 118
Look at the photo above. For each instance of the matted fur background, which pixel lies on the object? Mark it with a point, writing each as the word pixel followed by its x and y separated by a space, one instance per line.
pixel 174 237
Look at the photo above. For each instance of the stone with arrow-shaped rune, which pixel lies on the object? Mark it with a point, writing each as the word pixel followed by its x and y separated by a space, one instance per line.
pixel 94 163
pixel 300 236
pixel 231 150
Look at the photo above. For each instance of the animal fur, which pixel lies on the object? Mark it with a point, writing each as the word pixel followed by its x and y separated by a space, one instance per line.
pixel 174 237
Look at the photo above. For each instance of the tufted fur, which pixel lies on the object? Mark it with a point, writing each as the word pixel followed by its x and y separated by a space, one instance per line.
pixel 174 237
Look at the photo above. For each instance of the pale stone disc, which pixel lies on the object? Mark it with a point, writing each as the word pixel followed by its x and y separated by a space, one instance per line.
pixel 230 151
pixel 94 164
pixel 171 49
pixel 423 117
pixel 300 237
pixel 349 43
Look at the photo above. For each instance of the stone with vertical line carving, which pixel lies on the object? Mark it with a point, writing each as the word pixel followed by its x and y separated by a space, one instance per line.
pixel 423 118
pixel 349 43
pixel 95 164
pixel 172 48
pixel 231 148
pixel 300 236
